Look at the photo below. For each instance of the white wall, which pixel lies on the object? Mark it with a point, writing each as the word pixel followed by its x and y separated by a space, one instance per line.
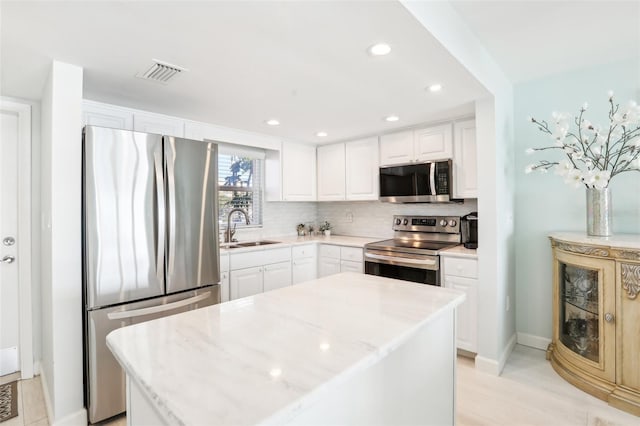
pixel 374 219
pixel 61 244
pixel 494 130
pixel 544 203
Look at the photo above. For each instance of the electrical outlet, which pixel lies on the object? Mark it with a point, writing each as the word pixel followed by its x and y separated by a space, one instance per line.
pixel 349 216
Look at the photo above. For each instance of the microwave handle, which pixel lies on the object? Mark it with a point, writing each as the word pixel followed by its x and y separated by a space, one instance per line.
pixel 432 178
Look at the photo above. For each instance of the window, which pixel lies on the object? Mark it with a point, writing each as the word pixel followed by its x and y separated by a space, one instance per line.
pixel 240 180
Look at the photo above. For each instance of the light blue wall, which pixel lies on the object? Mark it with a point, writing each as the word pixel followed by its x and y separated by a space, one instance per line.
pixel 544 203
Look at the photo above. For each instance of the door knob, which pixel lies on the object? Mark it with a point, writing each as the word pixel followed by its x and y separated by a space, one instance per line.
pixel 7 259
pixel 608 317
pixel 9 241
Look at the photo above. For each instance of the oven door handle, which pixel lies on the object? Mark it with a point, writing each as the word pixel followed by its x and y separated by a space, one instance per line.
pixel 402 261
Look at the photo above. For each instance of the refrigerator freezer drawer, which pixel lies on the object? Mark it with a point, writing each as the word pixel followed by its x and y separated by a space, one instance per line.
pixel 106 381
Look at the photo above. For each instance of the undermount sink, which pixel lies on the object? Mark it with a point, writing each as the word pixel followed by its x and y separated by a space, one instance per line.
pixel 249 244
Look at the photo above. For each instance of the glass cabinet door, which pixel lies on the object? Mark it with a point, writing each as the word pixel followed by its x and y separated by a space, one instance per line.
pixel 579 310
pixel 585 294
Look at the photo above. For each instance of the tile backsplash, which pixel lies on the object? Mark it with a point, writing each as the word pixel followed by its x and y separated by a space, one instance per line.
pixel 374 219
pixel 358 218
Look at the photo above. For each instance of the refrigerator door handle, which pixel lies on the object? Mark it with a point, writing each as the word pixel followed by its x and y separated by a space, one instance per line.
pixel 171 193
pixel 160 216
pixel 159 308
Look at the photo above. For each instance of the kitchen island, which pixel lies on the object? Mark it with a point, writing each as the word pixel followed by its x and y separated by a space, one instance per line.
pixel 344 349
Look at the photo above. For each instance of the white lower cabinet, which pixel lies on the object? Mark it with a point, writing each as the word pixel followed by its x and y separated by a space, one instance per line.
pixel 304 263
pixel 277 275
pixel 328 266
pixel 462 274
pixel 335 259
pixel 257 271
pixel 348 266
pixel 246 282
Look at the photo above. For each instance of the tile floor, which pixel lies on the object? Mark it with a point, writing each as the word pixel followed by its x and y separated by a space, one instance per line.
pixel 528 392
pixel 31 408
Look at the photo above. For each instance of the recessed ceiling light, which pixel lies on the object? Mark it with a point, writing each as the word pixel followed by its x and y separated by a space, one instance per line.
pixel 392 118
pixel 379 49
pixel 322 134
pixel 273 122
pixel 435 88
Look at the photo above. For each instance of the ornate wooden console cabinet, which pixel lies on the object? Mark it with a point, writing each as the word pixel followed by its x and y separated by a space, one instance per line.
pixel 596 316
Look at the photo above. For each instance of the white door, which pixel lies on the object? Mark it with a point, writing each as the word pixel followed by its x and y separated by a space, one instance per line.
pixel 9 290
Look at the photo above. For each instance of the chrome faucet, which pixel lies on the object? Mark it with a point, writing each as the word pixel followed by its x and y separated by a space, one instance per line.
pixel 228 235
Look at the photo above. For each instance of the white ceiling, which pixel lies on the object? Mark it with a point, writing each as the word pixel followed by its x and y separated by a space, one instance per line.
pixel 304 63
pixel 532 39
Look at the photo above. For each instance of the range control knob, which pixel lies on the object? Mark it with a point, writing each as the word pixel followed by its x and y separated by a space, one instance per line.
pixel 405 222
pixel 443 222
pixel 398 221
pixel 452 222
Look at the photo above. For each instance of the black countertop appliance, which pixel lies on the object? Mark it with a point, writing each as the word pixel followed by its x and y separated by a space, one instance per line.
pixel 469 230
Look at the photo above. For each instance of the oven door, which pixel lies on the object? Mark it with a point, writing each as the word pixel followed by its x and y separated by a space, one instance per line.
pixel 403 266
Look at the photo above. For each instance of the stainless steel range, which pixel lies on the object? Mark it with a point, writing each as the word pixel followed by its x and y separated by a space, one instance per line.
pixel 413 253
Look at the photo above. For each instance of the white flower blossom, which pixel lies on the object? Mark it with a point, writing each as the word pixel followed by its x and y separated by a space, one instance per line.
pixel 610 94
pixel 597 178
pixel 564 167
pixel 584 148
pixel 574 177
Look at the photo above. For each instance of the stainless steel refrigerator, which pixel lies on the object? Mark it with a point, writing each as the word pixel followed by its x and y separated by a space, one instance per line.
pixel 150 242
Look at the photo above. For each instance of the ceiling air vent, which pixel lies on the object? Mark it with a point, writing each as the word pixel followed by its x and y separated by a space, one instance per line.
pixel 161 72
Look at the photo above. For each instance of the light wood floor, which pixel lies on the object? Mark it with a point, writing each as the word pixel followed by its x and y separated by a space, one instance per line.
pixel 528 392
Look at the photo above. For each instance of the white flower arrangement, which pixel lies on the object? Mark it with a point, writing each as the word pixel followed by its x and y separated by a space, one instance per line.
pixel 594 155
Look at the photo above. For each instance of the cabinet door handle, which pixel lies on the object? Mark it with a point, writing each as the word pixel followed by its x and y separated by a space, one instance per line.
pixel 608 317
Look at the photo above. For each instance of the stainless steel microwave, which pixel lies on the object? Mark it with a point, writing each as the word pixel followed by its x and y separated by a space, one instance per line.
pixel 428 182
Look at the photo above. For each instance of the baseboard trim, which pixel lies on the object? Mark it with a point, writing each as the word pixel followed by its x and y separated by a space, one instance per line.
pixel 36 368
pixel 533 341
pixel 492 366
pixel 74 419
pixel 45 393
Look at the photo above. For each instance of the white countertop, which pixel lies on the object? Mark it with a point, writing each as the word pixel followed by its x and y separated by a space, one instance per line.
pixel 248 360
pixel 340 240
pixel 618 240
pixel 460 251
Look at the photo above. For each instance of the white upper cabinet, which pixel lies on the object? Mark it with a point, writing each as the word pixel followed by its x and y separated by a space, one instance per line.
pixel 159 124
pixel 103 115
pixel 362 169
pixel 331 172
pixel 348 171
pixel 298 172
pixel 426 144
pixel 396 148
pixel 465 164
pixel 433 143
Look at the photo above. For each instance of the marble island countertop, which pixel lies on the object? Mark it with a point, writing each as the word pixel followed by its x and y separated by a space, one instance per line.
pixel 264 357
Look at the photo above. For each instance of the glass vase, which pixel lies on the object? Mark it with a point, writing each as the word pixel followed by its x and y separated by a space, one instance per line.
pixel 598 212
